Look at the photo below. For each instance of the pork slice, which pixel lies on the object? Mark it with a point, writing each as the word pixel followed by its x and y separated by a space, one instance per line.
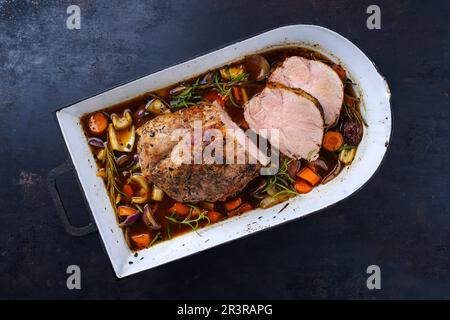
pixel 296 115
pixel 317 79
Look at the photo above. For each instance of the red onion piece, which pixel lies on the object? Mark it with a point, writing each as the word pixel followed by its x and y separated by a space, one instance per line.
pixel 130 219
pixel 96 142
pixel 149 218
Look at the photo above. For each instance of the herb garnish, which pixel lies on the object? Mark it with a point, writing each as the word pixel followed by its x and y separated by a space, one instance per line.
pixel 282 181
pixel 193 223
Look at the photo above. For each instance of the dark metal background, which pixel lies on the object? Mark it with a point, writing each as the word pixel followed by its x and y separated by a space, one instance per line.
pixel 399 221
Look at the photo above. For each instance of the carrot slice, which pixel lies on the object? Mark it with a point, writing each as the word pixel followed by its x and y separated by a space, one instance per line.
pixel 98 122
pixel 141 240
pixel 214 96
pixel 243 208
pixel 128 190
pixel 233 204
pixel 301 186
pixel 237 94
pixel 214 216
pixel 310 176
pixel 179 209
pixel 332 141
pixel 125 211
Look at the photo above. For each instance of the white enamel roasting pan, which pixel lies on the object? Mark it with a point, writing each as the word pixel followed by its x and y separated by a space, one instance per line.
pixel 371 86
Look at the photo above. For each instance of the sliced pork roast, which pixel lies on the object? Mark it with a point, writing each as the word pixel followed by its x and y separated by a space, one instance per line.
pixel 168 159
pixel 297 115
pixel 317 79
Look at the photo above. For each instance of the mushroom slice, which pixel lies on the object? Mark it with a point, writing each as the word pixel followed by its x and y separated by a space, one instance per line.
pixel 144 189
pixel 124 122
pixel 122 140
pixel 157 107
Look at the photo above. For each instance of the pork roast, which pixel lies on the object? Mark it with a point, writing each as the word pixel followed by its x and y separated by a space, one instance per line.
pixel 317 79
pixel 169 160
pixel 297 115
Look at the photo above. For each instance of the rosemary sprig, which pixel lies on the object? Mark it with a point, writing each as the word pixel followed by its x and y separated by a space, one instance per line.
pixel 155 238
pixel 281 180
pixel 111 174
pixel 191 94
pixel 354 115
pixel 224 88
pixel 186 98
pixel 193 223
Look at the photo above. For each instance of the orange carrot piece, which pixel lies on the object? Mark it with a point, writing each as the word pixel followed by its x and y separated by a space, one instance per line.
pixel 233 204
pixel 301 186
pixel 179 209
pixel 98 123
pixel 214 96
pixel 214 216
pixel 237 94
pixel 310 176
pixel 243 208
pixel 125 211
pixel 332 141
pixel 244 95
pixel 141 240
pixel 128 190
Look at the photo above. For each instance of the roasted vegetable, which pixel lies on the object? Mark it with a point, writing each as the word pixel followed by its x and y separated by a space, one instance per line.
pixel 310 176
pixel 123 122
pixel 157 107
pixel 270 201
pixel 144 190
pixel 215 216
pixel 123 160
pixel 229 73
pixel 214 96
pixel 241 209
pixel 128 190
pixel 333 174
pixel 301 186
pixel 179 209
pixel 101 173
pixel 232 204
pixel 347 155
pixel 141 241
pixel 122 140
pixel 125 211
pixel 352 132
pixel 207 205
pixel 257 67
pixel 97 123
pixel 157 193
pixel 131 219
pixel 149 217
pixel 332 141
pixel 96 142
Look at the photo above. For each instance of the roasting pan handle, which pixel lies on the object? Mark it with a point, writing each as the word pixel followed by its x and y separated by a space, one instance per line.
pixel 51 181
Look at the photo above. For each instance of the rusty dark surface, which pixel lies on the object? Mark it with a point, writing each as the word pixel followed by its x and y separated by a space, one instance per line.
pixel 399 221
